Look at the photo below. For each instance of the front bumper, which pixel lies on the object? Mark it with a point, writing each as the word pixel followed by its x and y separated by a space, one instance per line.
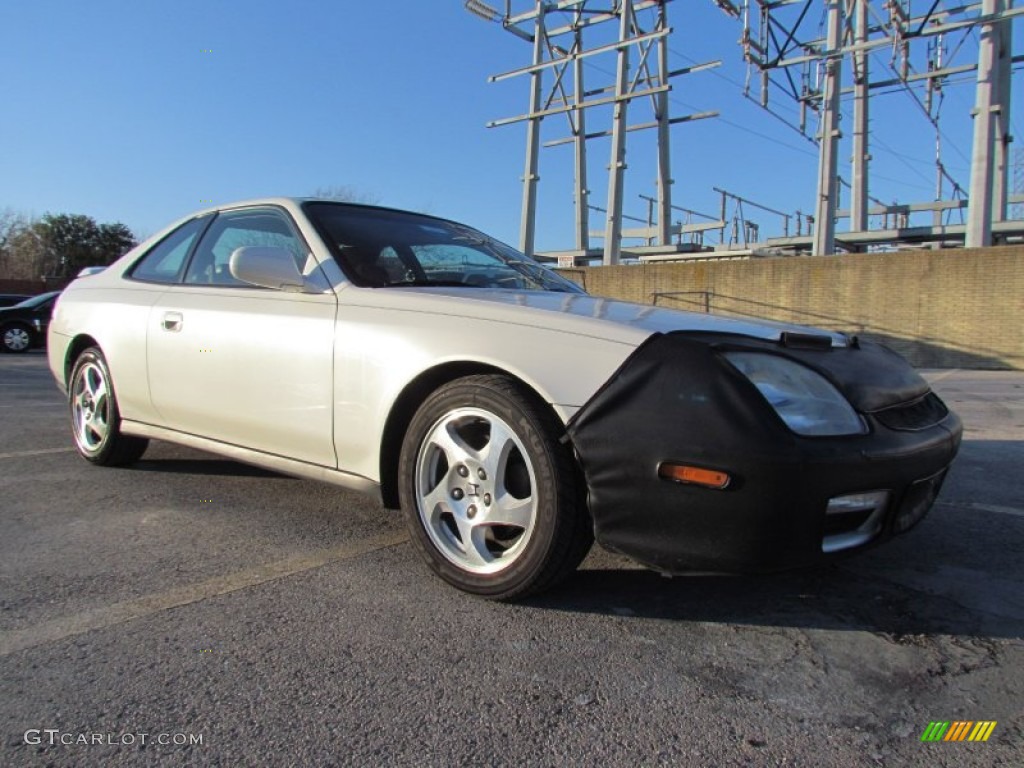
pixel 676 400
pixel 38 334
pixel 56 356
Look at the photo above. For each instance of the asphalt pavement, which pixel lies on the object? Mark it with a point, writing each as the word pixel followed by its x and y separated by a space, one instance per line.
pixel 192 610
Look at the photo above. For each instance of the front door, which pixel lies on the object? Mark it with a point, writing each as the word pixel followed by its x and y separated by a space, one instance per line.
pixel 245 365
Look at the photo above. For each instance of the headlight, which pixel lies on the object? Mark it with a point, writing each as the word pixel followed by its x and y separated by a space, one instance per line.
pixel 806 401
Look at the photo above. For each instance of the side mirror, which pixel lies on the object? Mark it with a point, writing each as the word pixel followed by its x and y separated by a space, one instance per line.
pixel 269 267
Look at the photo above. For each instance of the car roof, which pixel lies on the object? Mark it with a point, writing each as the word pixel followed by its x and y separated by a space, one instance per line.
pixel 39 298
pixel 296 202
pixel 43 296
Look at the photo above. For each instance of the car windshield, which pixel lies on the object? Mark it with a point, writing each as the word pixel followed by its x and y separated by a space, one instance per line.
pixel 381 248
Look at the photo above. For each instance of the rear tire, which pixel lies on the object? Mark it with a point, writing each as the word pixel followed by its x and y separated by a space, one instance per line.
pixel 491 497
pixel 95 418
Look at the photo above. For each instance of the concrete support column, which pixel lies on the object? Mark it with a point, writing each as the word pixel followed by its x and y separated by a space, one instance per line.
pixel 861 156
pixel 617 165
pixel 664 164
pixel 580 146
pixel 531 176
pixel 825 208
pixel 986 123
pixel 1001 148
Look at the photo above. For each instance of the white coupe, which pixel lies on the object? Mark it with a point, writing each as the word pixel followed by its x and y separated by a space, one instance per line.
pixel 511 416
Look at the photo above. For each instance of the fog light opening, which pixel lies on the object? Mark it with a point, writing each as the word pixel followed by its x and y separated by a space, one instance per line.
pixel 853 519
pixel 917 502
pixel 690 475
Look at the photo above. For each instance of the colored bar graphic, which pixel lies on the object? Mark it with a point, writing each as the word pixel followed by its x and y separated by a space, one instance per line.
pixel 959 730
pixel 982 730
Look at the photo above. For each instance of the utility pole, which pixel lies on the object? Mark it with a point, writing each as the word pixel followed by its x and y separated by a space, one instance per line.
pixel 664 159
pixel 617 165
pixel 1001 150
pixel 986 128
pixel 859 183
pixel 579 126
pixel 528 225
pixel 825 210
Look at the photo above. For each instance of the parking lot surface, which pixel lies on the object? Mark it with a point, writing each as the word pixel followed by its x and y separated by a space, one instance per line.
pixel 194 610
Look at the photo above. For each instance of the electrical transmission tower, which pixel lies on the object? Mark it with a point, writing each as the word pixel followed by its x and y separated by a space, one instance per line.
pixel 788 52
pixel 818 54
pixel 556 31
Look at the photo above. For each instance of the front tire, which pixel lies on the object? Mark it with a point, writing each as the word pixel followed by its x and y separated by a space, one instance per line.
pixel 95 418
pixel 491 497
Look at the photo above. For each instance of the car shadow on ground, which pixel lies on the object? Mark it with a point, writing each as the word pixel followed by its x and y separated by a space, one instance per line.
pixel 959 572
pixel 837 598
pixel 204 466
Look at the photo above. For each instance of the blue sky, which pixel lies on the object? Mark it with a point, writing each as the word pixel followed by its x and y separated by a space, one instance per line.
pixel 117 110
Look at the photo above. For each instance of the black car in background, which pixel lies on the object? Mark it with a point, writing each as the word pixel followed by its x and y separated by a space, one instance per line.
pixel 10 299
pixel 23 326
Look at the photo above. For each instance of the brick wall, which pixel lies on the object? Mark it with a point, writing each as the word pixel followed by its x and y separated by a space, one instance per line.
pixel 959 308
pixel 30 287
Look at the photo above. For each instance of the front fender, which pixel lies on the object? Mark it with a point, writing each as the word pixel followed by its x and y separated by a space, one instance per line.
pixel 378 352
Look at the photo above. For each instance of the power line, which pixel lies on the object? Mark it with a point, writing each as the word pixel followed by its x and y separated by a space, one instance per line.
pixel 779 142
pixel 928 116
pixel 814 80
pixel 899 157
pixel 680 102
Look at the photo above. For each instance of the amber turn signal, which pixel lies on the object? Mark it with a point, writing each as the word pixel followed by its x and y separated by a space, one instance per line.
pixel 683 473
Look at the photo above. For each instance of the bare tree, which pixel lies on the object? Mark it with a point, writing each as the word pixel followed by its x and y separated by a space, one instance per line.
pixel 345 193
pixel 27 256
pixel 11 224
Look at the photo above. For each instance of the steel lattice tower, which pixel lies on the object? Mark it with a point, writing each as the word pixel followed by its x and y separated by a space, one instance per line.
pixel 556 31
pixel 786 50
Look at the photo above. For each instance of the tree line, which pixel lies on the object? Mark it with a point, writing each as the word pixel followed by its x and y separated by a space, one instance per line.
pixel 57 246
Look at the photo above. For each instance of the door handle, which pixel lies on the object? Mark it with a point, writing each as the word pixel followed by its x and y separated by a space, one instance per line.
pixel 172 321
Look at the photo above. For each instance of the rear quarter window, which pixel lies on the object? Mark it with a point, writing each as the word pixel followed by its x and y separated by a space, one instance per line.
pixel 165 261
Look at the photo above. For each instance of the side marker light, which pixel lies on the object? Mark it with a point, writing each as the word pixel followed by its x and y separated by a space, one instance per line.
pixel 683 473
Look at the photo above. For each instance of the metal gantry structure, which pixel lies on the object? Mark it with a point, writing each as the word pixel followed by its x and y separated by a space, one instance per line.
pixel 556 31
pixel 779 38
pixel 816 60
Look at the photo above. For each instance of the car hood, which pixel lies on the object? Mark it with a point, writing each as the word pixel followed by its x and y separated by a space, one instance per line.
pixel 591 315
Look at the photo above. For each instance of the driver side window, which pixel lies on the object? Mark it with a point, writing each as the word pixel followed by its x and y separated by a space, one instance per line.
pixel 236 229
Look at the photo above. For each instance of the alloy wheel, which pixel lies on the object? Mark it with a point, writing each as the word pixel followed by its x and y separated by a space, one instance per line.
pixel 475 490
